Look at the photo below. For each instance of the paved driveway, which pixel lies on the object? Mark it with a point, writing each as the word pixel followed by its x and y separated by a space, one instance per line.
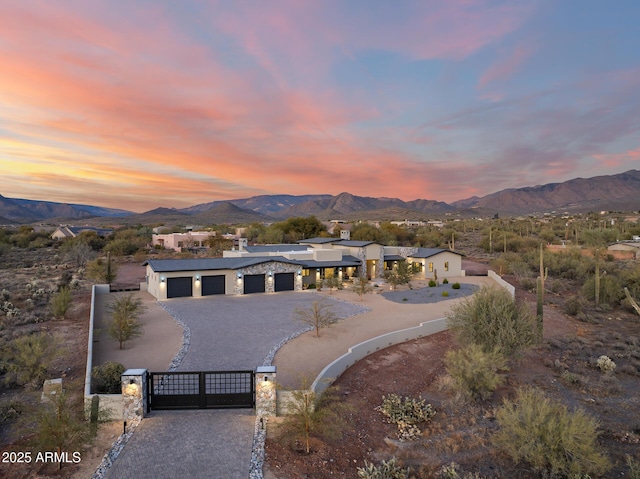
pixel 227 332
pixel 238 332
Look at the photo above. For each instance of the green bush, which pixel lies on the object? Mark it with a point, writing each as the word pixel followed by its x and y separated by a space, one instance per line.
pixel 453 471
pixel 544 434
pixel 445 293
pixel 474 371
pixel 611 290
pixel 61 302
pixel 493 319
pixel 445 281
pixel 432 283
pixel 106 378
pixel 28 358
pixel 406 414
pixel 455 286
pixel 386 470
pixel 573 306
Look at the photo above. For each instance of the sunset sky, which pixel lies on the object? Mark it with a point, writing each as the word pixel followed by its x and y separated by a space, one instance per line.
pixel 138 104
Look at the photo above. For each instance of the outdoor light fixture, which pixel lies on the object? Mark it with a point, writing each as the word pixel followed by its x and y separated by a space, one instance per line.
pixel 239 275
pixel 299 272
pixel 266 379
pixel 197 277
pixel 270 273
pixel 162 279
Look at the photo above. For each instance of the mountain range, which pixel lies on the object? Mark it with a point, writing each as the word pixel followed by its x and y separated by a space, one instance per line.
pixel 620 192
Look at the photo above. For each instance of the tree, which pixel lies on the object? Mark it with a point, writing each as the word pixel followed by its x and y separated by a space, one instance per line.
pixel 102 271
pixel 61 427
pixel 361 286
pixel 319 315
pixel 492 319
pixel 309 414
pixel 401 274
pixel 77 250
pixel 28 358
pixel 60 302
pixel 218 244
pixel 124 324
pixel 332 282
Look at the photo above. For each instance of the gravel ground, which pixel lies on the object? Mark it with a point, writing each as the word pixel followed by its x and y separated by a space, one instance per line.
pixel 428 294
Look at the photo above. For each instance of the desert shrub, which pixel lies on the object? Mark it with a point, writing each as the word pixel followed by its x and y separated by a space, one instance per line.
pixel 445 281
pixel 28 358
pixel 493 319
pixel 455 286
pixel 432 283
pixel 11 410
pixel 106 378
pixel 61 302
pixel 406 414
pixel 544 434
pixel 311 415
pixel 453 471
pixel 573 306
pixel 634 468
pixel 474 371
pixel 605 364
pixel 611 292
pixel 385 470
pixel 445 293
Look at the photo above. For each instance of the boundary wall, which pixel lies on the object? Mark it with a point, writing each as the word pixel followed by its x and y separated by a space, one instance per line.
pixel 113 402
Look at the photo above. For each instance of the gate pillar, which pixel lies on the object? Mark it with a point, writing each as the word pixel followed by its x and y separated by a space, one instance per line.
pixel 266 391
pixel 134 394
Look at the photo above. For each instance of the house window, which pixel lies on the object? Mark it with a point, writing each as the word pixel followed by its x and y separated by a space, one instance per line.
pixel 430 267
pixel 416 267
pixel 446 266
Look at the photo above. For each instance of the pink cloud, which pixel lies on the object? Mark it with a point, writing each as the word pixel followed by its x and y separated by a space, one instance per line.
pixel 504 67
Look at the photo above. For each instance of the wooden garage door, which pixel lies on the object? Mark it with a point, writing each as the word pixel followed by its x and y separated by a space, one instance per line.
pixel 253 283
pixel 284 282
pixel 179 287
pixel 213 285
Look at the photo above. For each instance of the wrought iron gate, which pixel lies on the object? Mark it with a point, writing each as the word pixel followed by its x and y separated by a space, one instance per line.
pixel 201 389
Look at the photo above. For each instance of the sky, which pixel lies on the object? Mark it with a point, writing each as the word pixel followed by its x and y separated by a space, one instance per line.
pixel 138 104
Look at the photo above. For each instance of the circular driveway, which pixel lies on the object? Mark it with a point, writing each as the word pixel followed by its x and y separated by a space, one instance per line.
pixel 240 332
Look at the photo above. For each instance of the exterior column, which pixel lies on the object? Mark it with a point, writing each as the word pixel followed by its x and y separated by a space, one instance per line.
pixel 134 394
pixel 266 403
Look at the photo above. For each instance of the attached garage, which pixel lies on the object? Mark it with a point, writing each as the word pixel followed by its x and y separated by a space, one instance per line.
pixel 284 282
pixel 254 283
pixel 179 287
pixel 213 285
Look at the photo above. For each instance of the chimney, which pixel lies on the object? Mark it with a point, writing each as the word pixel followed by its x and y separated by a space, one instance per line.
pixel 242 242
pixel 345 234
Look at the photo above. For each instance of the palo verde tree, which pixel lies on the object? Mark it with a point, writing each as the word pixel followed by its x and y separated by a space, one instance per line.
pixel 319 315
pixel 400 274
pixel 361 286
pixel 125 313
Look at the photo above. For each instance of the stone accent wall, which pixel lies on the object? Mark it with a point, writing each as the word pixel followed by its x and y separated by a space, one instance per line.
pixel 134 394
pixel 265 391
pixel 362 256
pixel 264 268
pixel 406 252
pixel 380 269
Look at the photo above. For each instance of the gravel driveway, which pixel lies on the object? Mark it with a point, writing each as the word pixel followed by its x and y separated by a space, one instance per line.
pixel 240 332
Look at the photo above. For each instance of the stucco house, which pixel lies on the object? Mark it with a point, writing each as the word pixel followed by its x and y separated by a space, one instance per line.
pixel 290 267
pixel 72 231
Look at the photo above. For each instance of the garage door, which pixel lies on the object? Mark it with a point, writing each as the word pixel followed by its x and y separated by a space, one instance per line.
pixel 253 283
pixel 284 282
pixel 213 285
pixel 179 287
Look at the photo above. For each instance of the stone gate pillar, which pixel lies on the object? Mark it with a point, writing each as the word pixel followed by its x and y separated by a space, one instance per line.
pixel 266 391
pixel 134 394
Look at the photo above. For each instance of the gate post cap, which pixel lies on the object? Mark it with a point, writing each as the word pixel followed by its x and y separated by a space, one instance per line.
pixel 134 372
pixel 266 369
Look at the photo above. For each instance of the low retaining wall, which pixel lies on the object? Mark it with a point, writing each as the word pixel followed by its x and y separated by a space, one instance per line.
pixel 501 282
pixel 111 401
pixel 359 351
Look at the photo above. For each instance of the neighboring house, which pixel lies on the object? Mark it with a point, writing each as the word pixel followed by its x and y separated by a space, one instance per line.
pixel 72 231
pixel 625 249
pixel 179 241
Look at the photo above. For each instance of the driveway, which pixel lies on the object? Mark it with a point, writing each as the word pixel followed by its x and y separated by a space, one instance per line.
pixel 226 332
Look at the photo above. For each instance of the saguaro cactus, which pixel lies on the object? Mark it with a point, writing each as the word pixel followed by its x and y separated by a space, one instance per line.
pixel 540 290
